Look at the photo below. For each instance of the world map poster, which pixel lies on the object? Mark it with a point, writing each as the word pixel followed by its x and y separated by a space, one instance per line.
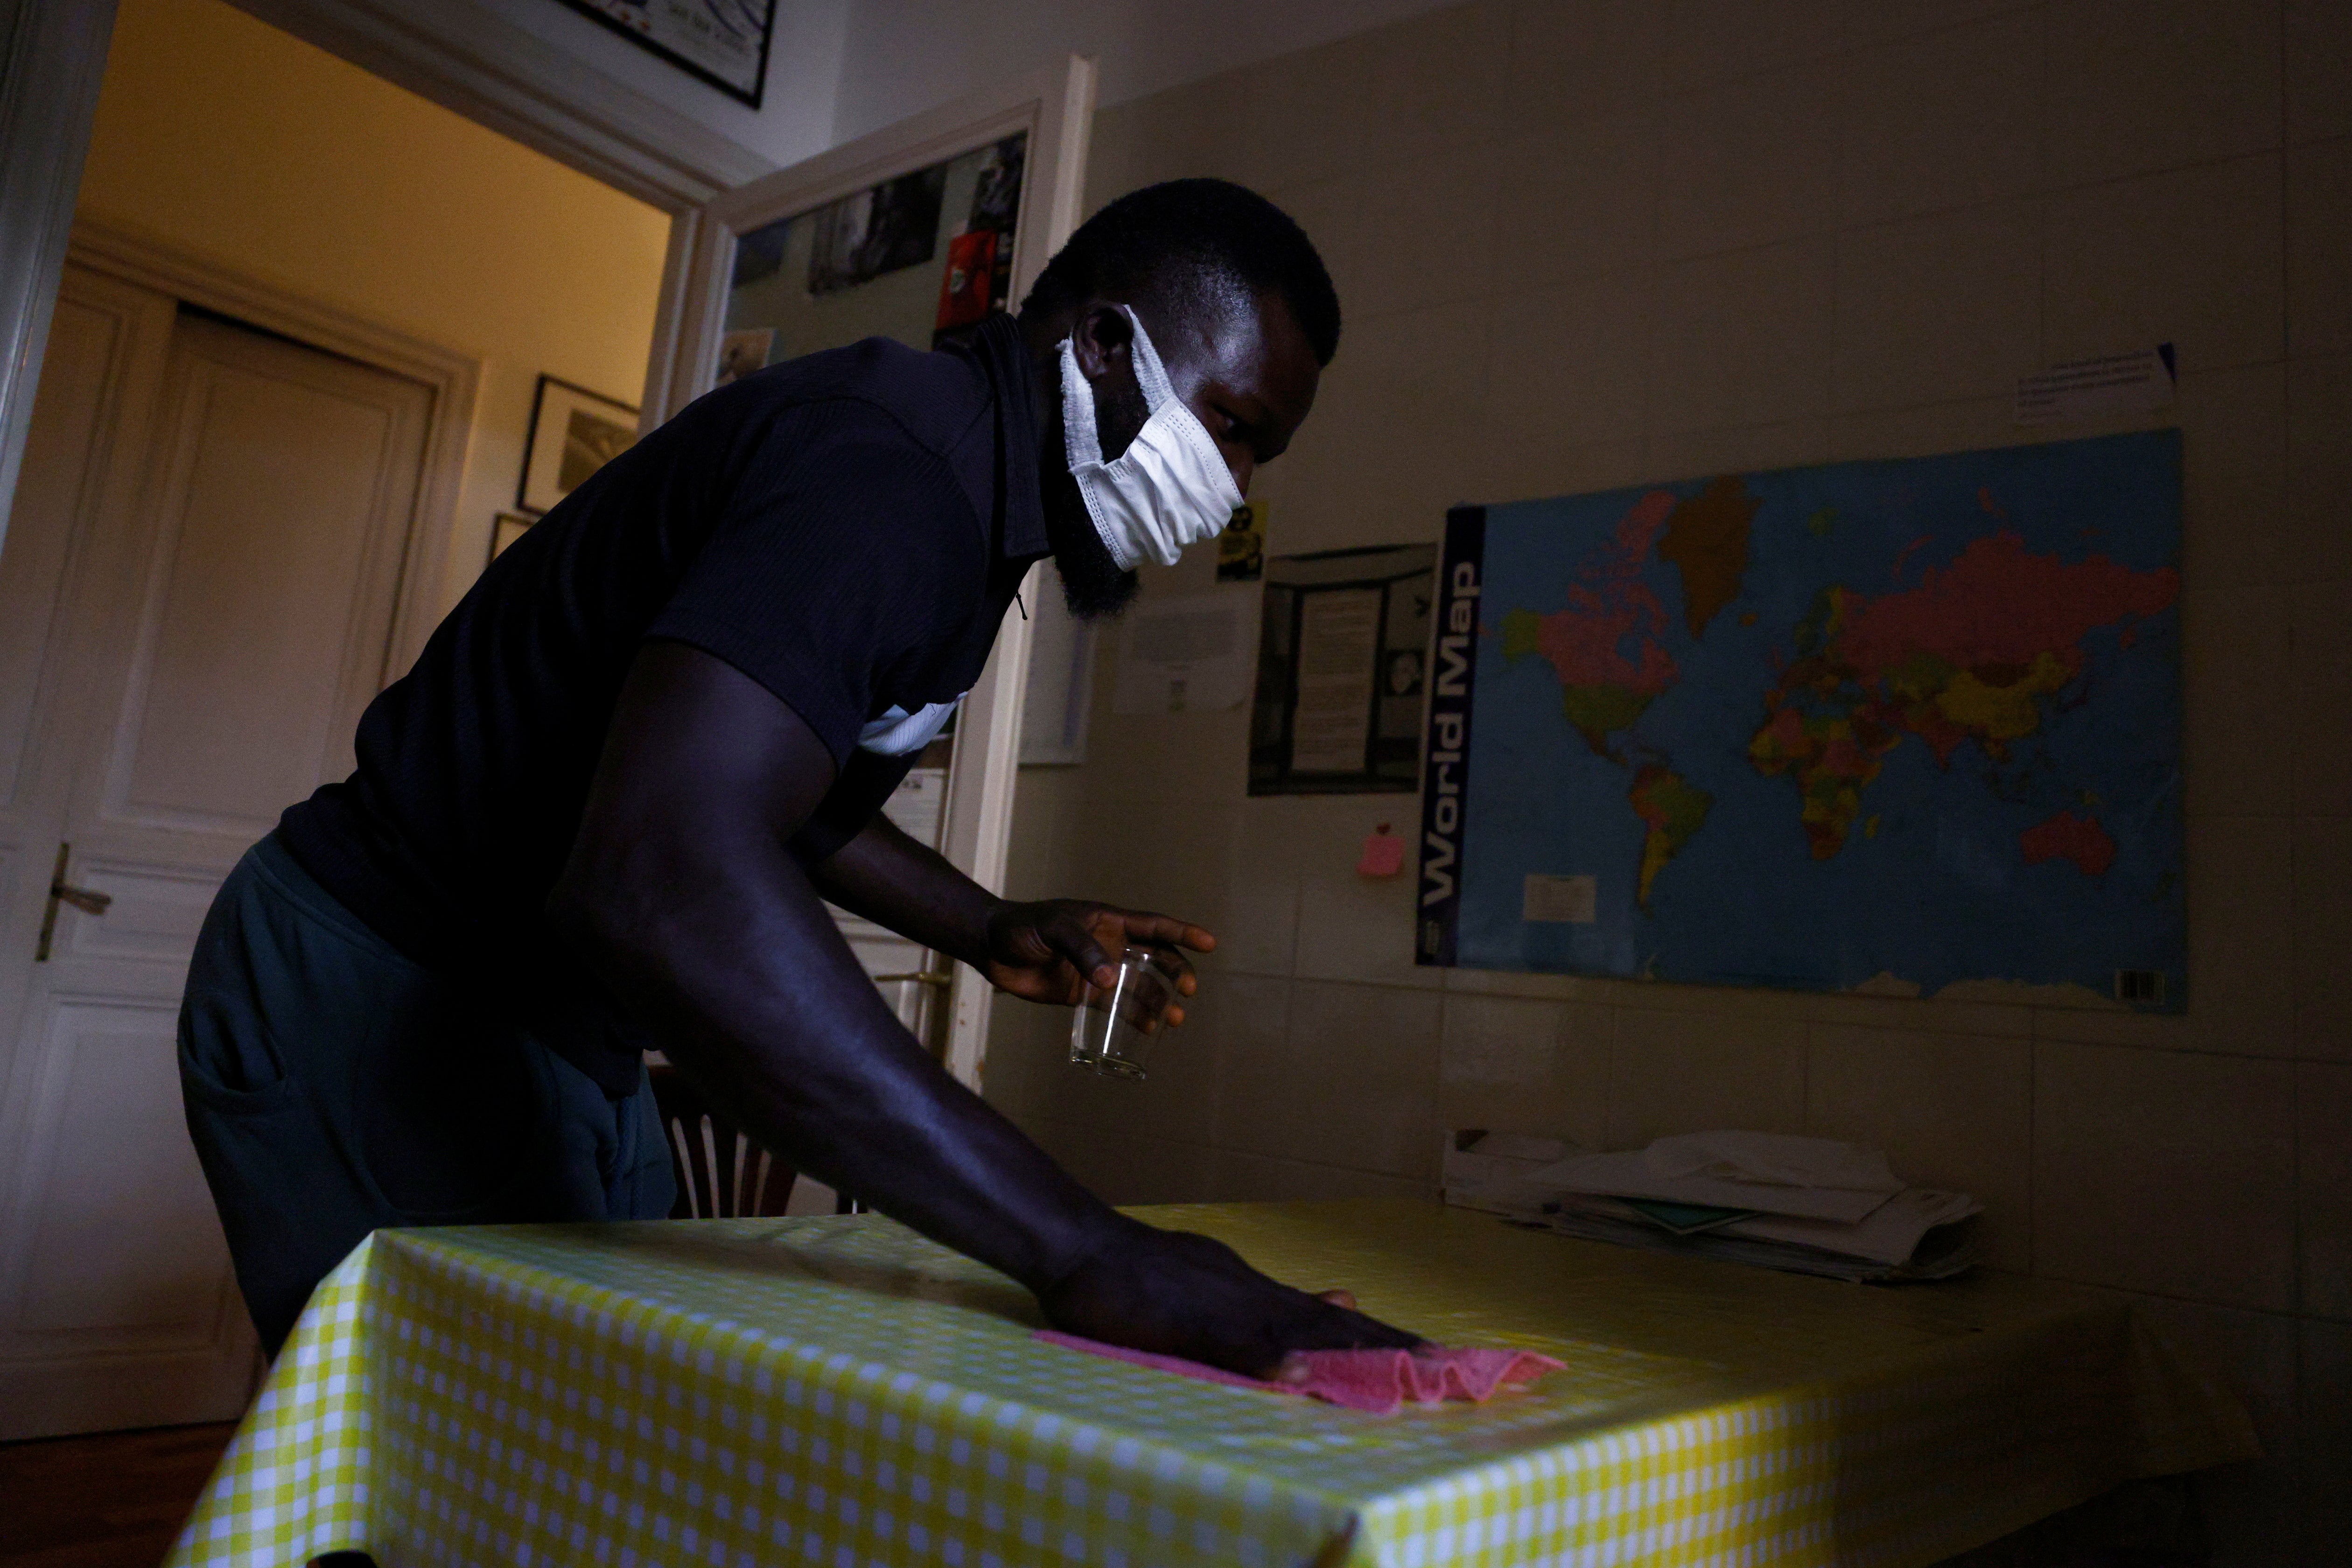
pixel 1903 728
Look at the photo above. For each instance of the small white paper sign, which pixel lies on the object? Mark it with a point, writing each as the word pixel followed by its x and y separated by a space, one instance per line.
pixel 1193 654
pixel 1560 900
pixel 2130 382
pixel 1338 660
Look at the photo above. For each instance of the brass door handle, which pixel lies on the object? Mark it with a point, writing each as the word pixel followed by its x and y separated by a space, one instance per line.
pixel 82 899
pixel 87 901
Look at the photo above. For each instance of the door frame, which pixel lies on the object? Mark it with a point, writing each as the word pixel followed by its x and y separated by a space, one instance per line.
pixel 453 378
pixel 452 52
pixel 1053 103
pixel 466 58
pixel 1054 106
pixel 462 57
pixel 473 63
pixel 52 55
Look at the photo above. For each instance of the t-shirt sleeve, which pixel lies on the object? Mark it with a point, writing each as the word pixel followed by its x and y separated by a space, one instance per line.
pixel 830 565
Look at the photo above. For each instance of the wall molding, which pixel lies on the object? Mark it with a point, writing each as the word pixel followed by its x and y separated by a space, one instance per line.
pixel 470 61
pixel 451 376
pixel 498 76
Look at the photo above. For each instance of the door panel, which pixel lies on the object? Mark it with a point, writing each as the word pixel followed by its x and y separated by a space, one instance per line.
pixel 105 362
pixel 288 482
pixel 236 508
pixel 99 379
pixel 125 1253
pixel 153 918
pixel 62 453
pixel 978 194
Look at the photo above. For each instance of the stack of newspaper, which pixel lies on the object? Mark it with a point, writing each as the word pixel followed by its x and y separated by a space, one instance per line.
pixel 1810 1205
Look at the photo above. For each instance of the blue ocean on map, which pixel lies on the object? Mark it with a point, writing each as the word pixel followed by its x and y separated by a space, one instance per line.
pixel 1903 726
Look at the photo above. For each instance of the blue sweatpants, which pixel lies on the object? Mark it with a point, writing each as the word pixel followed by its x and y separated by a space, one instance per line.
pixel 334 1087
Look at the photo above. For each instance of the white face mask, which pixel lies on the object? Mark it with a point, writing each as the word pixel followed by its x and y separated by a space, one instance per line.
pixel 1170 489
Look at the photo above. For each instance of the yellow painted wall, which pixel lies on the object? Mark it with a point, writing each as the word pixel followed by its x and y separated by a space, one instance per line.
pixel 227 137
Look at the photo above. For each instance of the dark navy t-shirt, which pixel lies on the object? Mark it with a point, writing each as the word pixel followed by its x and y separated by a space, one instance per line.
pixel 847 529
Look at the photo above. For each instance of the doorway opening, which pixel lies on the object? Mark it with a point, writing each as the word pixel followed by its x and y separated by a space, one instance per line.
pixel 286 403
pixel 276 186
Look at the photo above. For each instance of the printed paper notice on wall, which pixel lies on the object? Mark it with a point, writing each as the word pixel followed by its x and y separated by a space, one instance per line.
pixel 2097 388
pixel 1185 654
pixel 1338 663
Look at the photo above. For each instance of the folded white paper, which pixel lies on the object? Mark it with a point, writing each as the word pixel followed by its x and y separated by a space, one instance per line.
pixel 1778 1158
pixel 1628 1175
pixel 1811 1204
pixel 1485 1170
pixel 1943 1249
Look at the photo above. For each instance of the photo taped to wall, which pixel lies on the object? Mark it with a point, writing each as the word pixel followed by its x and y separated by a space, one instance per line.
pixel 880 229
pixel 852 268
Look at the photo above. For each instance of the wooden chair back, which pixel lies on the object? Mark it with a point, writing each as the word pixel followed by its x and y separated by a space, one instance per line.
pixel 721 1173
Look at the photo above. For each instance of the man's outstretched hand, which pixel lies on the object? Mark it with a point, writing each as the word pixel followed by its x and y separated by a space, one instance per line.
pixel 1050 950
pixel 1174 1293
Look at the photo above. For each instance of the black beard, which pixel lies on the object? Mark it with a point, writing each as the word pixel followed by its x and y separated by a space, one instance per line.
pixel 1093 584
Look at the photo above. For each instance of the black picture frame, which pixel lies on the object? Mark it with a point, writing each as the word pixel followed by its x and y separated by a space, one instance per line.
pixel 766 23
pixel 539 486
pixel 1401 578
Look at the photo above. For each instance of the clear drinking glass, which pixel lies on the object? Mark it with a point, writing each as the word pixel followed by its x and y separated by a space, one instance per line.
pixel 1116 1025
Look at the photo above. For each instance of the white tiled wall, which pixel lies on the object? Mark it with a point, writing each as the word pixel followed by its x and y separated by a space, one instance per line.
pixel 1591 243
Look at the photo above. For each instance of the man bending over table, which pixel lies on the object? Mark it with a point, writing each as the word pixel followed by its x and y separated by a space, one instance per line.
pixel 603 810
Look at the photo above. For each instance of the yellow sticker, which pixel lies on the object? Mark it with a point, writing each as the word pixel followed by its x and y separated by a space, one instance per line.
pixel 1241 548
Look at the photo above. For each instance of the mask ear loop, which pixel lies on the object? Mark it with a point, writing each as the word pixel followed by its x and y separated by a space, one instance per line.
pixel 1081 437
pixel 1160 395
pixel 1149 373
pixel 1081 442
pixel 1082 445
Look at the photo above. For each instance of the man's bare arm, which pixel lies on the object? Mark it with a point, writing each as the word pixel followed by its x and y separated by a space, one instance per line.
pixel 886 875
pixel 1043 951
pixel 681 890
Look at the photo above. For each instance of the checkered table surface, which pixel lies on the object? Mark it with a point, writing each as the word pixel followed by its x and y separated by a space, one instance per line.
pixel 838 1391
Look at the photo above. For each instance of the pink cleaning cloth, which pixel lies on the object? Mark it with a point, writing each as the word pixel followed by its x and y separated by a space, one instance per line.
pixel 1376 1381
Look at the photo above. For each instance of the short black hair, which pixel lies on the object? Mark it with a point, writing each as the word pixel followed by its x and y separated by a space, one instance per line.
pixel 1137 245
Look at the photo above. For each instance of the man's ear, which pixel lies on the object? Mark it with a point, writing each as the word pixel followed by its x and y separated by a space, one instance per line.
pixel 1105 340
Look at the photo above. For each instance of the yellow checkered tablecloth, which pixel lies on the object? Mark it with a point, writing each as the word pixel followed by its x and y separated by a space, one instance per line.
pixel 841 1391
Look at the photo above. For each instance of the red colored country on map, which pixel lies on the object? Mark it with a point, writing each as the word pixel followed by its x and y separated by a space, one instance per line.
pixel 1997 606
pixel 2067 837
pixel 1609 603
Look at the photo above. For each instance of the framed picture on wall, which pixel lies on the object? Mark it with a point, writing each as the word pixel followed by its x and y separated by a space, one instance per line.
pixel 722 42
pixel 574 433
pixel 1340 671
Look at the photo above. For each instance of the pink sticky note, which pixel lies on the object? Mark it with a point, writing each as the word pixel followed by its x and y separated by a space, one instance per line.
pixel 1383 854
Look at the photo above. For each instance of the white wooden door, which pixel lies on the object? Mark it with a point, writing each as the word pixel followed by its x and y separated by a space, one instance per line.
pixel 195 602
pixel 796 262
